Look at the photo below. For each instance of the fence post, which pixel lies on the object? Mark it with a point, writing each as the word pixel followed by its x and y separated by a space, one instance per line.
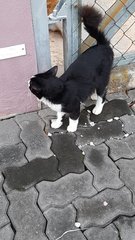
pixel 41 32
pixel 71 32
pixel 76 28
pixel 67 35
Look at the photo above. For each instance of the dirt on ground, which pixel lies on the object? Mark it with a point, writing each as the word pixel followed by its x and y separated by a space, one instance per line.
pixel 56 45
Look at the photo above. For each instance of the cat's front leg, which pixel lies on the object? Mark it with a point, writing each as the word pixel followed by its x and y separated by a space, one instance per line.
pixel 73 122
pixel 56 123
pixel 72 127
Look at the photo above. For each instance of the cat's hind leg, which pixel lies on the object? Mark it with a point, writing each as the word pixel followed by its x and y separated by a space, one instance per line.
pixel 74 112
pixel 100 102
pixel 94 96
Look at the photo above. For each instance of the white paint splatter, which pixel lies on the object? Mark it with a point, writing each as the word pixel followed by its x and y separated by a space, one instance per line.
pixel 49 134
pixel 126 135
pixel 92 124
pixel 110 120
pixel 77 224
pixel 105 203
pixel 116 118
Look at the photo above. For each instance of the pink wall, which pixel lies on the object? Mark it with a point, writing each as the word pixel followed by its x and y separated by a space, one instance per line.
pixel 16 28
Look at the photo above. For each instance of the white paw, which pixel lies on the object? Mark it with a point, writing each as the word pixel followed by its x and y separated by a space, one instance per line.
pixel 71 128
pixel 55 123
pixel 97 110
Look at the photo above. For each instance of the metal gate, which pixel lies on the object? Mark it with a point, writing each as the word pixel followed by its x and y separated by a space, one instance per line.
pixel 118 24
pixel 65 11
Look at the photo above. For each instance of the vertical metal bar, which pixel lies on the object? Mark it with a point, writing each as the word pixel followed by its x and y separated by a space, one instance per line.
pixel 41 32
pixel 65 45
pixel 67 36
pixel 71 32
pixel 76 29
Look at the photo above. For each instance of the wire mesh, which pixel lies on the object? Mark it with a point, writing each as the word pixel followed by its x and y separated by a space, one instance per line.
pixel 120 29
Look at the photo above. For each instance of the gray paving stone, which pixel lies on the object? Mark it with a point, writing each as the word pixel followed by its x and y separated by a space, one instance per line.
pixel 118 95
pixel 122 148
pixel 104 207
pixel 60 222
pixel 3 205
pixel 12 155
pixel 126 227
pixel 24 119
pixel 9 132
pixel 47 114
pixel 99 133
pixel 76 235
pixel 6 233
pixel 127 172
pixel 129 123
pixel 69 155
pixel 84 118
pixel 62 129
pixel 24 177
pixel 97 233
pixel 83 122
pixel 130 140
pixel 105 172
pixel 37 142
pixel 114 108
pixel 131 94
pixel 25 215
pixel 133 108
pixel 65 190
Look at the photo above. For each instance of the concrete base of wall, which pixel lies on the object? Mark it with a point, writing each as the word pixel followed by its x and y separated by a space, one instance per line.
pixel 122 78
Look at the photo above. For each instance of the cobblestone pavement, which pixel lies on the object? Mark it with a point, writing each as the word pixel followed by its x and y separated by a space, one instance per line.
pixel 58 185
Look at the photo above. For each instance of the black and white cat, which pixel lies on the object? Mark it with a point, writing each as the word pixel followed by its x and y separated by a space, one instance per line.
pixel 88 73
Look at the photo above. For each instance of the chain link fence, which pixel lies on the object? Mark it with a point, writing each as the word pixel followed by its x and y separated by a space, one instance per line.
pixel 119 27
pixel 118 24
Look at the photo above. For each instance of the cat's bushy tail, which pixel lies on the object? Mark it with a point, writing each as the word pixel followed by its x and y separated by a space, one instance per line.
pixel 91 19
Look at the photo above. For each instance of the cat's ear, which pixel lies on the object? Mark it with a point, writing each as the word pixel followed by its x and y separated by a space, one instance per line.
pixel 50 73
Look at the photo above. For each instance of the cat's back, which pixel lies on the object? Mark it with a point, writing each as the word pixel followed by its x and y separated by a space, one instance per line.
pixel 87 63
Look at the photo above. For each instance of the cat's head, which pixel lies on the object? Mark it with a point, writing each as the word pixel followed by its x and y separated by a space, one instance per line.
pixel 46 84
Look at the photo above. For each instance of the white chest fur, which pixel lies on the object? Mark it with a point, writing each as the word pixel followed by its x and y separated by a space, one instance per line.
pixel 54 107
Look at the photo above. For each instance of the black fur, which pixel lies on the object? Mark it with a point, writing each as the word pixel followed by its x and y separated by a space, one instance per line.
pixel 89 72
